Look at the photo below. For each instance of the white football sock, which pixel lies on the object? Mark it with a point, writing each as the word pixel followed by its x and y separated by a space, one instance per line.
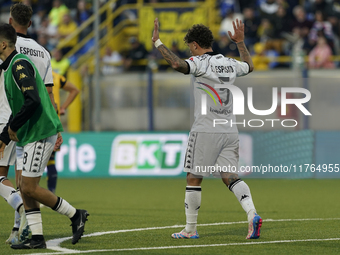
pixel 243 195
pixel 17 220
pixel 10 194
pixel 34 220
pixel 17 216
pixel 192 205
pixel 64 208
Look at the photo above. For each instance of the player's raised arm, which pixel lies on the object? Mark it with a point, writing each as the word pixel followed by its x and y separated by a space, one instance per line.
pixel 238 38
pixel 174 61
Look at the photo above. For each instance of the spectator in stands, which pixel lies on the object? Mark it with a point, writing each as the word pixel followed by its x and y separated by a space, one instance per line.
pixel 57 12
pixel 321 27
pixel 251 24
pixel 112 62
pixel 265 31
pixel 43 40
pixel 301 20
pixel 334 20
pixel 225 46
pixel 320 56
pixel 66 28
pixel 281 24
pixel 261 62
pixel 268 9
pixel 299 38
pixel 226 7
pixel 59 63
pixel 227 22
pixel 137 52
pixel 50 31
pixel 82 14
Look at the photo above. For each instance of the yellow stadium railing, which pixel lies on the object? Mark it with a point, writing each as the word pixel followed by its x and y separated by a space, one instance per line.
pixel 117 35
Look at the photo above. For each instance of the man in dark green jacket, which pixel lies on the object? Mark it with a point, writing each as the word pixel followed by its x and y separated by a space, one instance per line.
pixel 35 126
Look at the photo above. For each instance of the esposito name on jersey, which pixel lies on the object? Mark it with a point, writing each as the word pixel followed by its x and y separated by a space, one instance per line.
pixel 32 52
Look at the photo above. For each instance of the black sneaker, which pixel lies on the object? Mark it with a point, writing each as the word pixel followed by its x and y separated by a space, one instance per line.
pixel 30 244
pixel 78 225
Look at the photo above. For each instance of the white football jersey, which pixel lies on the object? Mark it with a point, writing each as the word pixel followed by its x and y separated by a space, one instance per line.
pixel 38 55
pixel 207 71
pixel 5 110
pixel 41 59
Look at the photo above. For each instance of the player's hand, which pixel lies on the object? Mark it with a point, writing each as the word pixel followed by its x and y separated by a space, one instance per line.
pixel 62 111
pixel 58 142
pixel 238 30
pixel 2 149
pixel 155 35
pixel 12 135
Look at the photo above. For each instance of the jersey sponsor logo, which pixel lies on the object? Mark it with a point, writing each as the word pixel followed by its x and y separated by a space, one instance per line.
pixel 208 92
pixel 19 67
pixel 222 69
pixel 32 52
pixel 22 76
pixel 220 111
pixel 23 89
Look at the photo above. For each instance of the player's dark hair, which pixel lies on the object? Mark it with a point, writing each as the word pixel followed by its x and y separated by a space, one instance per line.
pixel 200 34
pixel 21 13
pixel 8 33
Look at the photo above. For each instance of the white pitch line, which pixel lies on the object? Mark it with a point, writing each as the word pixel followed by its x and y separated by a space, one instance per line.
pixel 54 244
pixel 192 246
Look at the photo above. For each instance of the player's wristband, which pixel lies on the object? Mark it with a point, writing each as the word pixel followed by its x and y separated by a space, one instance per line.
pixel 158 43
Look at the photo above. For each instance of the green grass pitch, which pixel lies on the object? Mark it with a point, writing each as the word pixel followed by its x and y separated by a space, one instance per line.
pixel 130 203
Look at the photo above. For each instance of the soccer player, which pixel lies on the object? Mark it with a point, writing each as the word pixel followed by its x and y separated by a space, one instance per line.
pixel 208 145
pixel 60 82
pixel 20 19
pixel 34 125
pixel 7 190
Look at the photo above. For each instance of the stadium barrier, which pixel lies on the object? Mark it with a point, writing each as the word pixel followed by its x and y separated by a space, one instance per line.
pixel 276 154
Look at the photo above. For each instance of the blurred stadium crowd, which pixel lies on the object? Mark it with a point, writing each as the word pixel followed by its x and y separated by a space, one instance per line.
pixel 286 28
pixel 272 28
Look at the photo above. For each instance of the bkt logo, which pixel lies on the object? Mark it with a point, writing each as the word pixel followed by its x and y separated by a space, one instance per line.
pixel 156 154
